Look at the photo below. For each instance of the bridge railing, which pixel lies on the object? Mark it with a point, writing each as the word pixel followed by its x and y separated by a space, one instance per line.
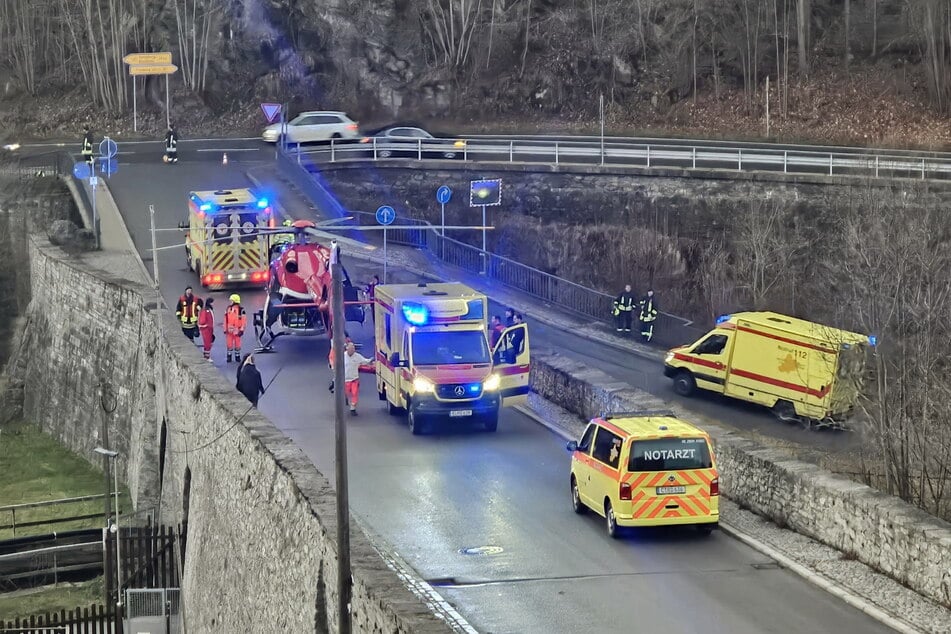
pixel 630 152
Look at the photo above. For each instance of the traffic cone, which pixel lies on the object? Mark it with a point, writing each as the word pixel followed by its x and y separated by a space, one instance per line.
pixel 224 158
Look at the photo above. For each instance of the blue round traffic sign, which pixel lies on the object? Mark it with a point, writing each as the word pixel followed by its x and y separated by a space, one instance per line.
pixel 108 148
pixel 108 166
pixel 443 194
pixel 385 215
pixel 81 170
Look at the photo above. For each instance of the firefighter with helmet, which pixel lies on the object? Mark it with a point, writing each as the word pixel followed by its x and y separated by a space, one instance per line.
pixel 171 145
pixel 87 145
pixel 235 321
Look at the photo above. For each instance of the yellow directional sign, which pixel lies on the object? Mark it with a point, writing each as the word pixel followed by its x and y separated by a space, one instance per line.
pixel 147 58
pixel 152 69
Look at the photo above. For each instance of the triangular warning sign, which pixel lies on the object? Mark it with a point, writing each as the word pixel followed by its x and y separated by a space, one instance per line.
pixel 271 111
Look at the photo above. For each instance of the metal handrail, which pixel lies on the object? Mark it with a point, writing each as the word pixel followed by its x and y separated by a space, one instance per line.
pixel 621 152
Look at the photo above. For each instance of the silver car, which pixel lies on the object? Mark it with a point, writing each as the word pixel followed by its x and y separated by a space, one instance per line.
pixel 308 127
pixel 409 141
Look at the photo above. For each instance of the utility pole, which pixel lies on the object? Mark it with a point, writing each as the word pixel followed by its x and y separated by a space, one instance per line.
pixel 343 502
pixel 107 509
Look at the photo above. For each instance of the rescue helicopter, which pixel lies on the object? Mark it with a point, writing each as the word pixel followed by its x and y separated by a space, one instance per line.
pixel 299 284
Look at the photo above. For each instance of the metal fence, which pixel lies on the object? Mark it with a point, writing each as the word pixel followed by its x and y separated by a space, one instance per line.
pixel 567 295
pixel 632 152
pixel 153 611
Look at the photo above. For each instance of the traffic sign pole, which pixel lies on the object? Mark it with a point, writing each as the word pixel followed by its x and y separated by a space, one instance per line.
pixel 94 182
pixel 135 109
pixel 385 215
pixel 385 260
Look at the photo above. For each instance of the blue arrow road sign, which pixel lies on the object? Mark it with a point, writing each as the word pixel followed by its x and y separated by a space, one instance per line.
pixel 81 170
pixel 271 110
pixel 385 215
pixel 108 166
pixel 443 194
pixel 108 148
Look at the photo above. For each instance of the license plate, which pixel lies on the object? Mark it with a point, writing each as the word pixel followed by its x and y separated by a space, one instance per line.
pixel 458 413
pixel 670 490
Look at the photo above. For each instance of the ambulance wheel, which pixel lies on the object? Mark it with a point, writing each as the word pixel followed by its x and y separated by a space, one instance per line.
pixel 785 411
pixel 610 521
pixel 684 383
pixel 393 409
pixel 415 422
pixel 705 529
pixel 576 504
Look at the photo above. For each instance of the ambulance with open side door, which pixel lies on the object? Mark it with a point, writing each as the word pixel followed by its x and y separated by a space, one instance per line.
pixel 433 359
pixel 802 370
pixel 645 469
pixel 223 244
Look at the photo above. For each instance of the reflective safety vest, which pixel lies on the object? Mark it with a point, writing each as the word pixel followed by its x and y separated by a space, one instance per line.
pixel 87 145
pixel 171 142
pixel 625 302
pixel 648 309
pixel 187 311
pixel 235 320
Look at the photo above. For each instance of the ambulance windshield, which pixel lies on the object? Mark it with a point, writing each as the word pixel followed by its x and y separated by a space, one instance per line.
pixel 669 454
pixel 450 347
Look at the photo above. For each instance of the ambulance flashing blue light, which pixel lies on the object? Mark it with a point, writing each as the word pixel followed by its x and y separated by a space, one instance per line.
pixel 416 314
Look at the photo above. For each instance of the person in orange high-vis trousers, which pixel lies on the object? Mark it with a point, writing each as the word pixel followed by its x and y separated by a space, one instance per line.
pixel 235 321
pixel 206 326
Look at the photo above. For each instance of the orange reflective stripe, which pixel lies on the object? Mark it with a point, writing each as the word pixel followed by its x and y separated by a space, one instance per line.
pixel 660 507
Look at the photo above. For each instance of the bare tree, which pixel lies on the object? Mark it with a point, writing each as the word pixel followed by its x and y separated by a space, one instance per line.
pixel 197 21
pixel 803 23
pixel 765 248
pixel 453 24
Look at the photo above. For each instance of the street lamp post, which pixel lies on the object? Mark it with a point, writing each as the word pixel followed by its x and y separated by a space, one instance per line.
pixel 114 458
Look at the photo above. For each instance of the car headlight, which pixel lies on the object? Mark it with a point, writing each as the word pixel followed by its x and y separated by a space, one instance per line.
pixel 492 383
pixel 422 385
pixel 669 357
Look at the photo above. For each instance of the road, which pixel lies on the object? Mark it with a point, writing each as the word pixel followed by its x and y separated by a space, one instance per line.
pixel 430 497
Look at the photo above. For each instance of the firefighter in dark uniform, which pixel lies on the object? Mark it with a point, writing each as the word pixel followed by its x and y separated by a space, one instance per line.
pixel 624 310
pixel 171 145
pixel 648 315
pixel 87 145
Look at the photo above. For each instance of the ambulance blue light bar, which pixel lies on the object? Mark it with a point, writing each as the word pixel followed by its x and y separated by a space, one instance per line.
pixel 262 203
pixel 723 318
pixel 416 314
pixel 205 207
pixel 873 340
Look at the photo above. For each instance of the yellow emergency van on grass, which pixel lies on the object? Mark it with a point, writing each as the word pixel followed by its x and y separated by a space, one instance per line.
pixel 645 469
pixel 223 244
pixel 433 359
pixel 804 371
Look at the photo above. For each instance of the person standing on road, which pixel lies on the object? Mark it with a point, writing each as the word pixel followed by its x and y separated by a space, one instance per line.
pixel 171 145
pixel 648 315
pixel 352 360
pixel 624 310
pixel 206 326
pixel 87 145
pixel 249 380
pixel 187 311
pixel 235 321
pixel 516 338
pixel 371 295
pixel 509 317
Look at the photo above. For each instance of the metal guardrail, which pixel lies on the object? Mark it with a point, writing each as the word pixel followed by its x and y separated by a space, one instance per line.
pixel 622 152
pixel 588 302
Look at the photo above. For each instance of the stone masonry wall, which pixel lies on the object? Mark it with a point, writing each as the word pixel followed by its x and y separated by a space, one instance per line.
pixel 261 554
pixel 877 529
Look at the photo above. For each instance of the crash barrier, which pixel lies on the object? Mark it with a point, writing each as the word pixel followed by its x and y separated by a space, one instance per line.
pixel 687 154
pixel 879 530
pixel 261 519
pixel 670 330
pixel 44 559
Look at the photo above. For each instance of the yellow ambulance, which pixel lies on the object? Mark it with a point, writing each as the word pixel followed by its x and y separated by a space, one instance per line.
pixel 804 371
pixel 645 469
pixel 433 358
pixel 223 244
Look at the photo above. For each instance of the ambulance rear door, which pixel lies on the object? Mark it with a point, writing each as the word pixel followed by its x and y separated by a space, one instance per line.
pixel 512 358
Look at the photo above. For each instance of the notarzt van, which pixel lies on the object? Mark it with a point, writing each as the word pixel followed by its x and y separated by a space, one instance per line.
pixel 802 370
pixel 645 469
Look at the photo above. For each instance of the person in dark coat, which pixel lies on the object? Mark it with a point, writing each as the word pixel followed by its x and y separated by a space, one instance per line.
pixel 249 380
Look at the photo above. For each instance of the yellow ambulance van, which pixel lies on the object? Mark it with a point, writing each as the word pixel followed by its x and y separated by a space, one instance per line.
pixel 802 370
pixel 645 469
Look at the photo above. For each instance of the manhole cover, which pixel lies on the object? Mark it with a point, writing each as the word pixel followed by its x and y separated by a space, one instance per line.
pixel 482 550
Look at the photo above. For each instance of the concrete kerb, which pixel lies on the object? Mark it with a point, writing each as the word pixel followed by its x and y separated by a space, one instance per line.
pixel 647 353
pixel 816 578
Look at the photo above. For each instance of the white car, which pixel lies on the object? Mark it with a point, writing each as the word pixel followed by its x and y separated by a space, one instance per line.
pixel 308 127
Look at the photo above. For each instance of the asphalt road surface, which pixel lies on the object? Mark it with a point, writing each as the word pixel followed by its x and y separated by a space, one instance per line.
pixel 431 497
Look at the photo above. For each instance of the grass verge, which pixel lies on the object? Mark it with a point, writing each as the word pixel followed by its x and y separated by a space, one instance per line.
pixel 66 596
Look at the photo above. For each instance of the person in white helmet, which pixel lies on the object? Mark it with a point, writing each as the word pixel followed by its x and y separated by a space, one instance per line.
pixel 235 321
